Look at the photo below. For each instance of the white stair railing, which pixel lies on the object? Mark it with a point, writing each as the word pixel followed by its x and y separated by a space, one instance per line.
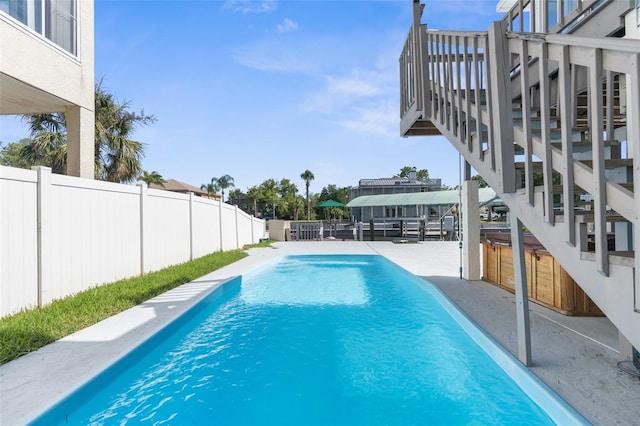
pixel 557 108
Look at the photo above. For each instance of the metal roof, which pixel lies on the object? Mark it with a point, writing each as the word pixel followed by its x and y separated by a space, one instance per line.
pixel 433 198
pixel 398 181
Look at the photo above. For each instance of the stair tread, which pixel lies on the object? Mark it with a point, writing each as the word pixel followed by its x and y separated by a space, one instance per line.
pixel 587 216
pixel 576 189
pixel 608 163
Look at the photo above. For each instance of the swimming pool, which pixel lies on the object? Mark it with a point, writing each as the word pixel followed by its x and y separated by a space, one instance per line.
pixel 318 339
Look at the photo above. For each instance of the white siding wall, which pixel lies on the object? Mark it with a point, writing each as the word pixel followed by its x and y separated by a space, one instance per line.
pixel 96 232
pixel 41 64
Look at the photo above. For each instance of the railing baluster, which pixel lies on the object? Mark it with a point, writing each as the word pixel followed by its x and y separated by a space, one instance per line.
pixel 478 97
pixel 609 106
pixel 467 97
pixel 545 112
pixel 424 74
pixel 521 14
pixel 403 82
pixel 526 118
pixel 597 146
pixel 440 53
pixel 534 26
pixel 449 88
pixel 417 84
pixel 485 74
pixel 459 124
pixel 566 123
pixel 434 77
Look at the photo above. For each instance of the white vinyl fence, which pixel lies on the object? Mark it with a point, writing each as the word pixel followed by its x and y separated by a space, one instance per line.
pixel 60 234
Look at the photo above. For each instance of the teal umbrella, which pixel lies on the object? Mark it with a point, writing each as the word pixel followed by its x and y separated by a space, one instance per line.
pixel 331 203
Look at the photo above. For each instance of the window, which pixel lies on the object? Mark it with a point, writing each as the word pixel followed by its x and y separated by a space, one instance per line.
pixel 552 13
pixel 569 6
pixel 61 28
pixel 58 16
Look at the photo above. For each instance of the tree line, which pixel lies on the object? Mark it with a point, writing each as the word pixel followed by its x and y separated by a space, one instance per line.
pixel 118 158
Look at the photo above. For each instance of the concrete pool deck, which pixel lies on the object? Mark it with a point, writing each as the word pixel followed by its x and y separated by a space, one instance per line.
pixel 575 356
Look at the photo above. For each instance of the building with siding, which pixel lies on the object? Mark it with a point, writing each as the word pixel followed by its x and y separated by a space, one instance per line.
pixel 47 65
pixel 394 185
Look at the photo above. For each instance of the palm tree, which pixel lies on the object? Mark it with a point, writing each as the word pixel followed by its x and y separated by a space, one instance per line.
pixel 307 176
pixel 422 174
pixel 152 177
pixel 235 194
pixel 48 144
pixel 253 193
pixel 223 182
pixel 404 172
pixel 117 157
pixel 211 188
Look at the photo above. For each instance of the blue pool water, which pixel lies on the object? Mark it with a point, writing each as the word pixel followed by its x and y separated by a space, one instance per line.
pixel 317 340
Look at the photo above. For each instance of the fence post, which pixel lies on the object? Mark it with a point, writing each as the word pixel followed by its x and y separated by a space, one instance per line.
pixel 253 223
pixel 220 222
pixel 191 234
pixel 237 228
pixel 44 232
pixel 143 245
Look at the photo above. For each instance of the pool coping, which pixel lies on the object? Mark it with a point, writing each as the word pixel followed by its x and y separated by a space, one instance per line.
pixel 560 411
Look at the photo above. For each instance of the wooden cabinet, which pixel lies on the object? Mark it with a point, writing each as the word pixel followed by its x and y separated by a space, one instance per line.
pixel 547 283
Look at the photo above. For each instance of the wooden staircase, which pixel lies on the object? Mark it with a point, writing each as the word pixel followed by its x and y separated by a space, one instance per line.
pixel 548 122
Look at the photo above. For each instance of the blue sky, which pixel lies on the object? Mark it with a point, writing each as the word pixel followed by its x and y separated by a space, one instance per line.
pixel 267 89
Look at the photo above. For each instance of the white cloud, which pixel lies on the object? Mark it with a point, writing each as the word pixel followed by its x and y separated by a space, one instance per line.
pixel 379 120
pixel 287 26
pixel 352 86
pixel 267 60
pixel 251 6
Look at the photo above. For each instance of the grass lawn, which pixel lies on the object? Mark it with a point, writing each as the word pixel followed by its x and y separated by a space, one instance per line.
pixel 29 330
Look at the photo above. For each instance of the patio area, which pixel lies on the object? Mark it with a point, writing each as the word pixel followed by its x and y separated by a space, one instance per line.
pixel 575 356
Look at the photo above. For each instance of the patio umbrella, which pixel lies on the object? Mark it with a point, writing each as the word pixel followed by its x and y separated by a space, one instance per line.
pixel 331 203
pixel 328 204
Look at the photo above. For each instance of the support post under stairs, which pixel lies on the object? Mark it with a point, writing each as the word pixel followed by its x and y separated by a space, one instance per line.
pixel 471 231
pixel 522 300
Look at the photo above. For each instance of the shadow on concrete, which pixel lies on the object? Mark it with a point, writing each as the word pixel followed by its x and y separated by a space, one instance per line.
pixel 574 356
